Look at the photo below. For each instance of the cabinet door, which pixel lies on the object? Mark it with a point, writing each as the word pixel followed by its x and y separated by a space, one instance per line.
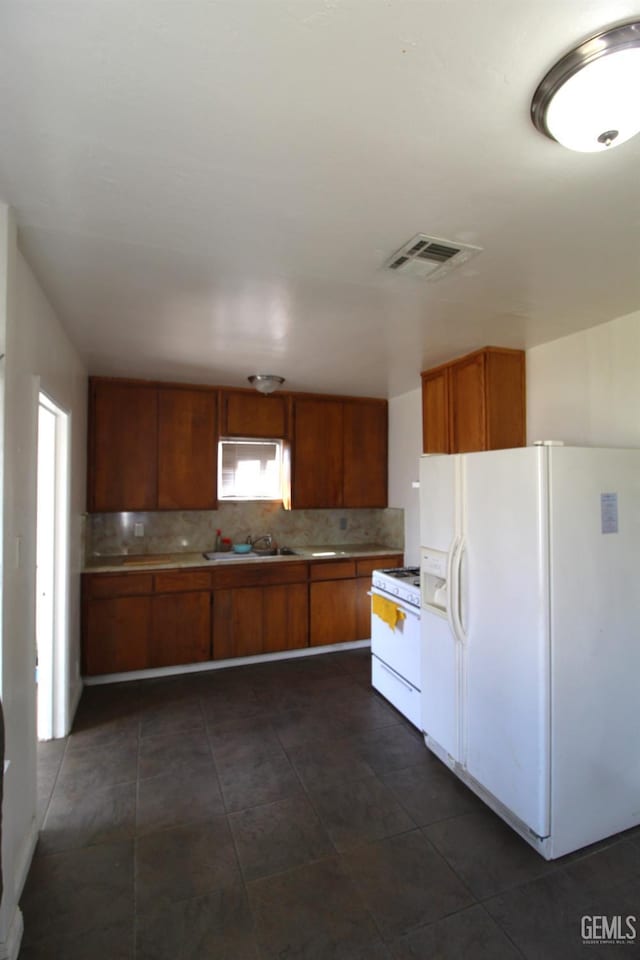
pixel 332 612
pixel 123 464
pixel 117 635
pixel 181 628
pixel 285 617
pixel 467 399
pixel 435 412
pixel 505 399
pixel 187 449
pixel 317 453
pixel 363 608
pixel 237 623
pixel 365 454
pixel 253 415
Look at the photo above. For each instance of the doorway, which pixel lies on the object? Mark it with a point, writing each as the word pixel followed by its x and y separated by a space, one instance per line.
pixel 52 563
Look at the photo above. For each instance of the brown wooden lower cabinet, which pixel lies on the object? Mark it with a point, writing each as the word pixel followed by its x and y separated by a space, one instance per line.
pixel 332 612
pixel 248 621
pixel 134 621
pixel 237 630
pixel 117 635
pixel 181 628
pixel 286 615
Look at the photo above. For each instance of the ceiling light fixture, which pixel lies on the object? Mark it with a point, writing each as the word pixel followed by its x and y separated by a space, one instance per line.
pixel 589 100
pixel 265 382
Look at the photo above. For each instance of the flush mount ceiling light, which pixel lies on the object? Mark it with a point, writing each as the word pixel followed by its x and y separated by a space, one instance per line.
pixel 589 101
pixel 265 382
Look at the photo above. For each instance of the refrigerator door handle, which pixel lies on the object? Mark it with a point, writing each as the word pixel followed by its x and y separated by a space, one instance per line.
pixel 453 589
pixel 457 592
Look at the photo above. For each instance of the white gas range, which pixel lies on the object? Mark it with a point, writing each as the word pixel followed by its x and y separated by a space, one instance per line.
pixel 396 640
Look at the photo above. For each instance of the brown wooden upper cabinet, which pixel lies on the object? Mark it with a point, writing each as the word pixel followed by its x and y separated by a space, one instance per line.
pixel 435 411
pixel 365 453
pixel 151 447
pixel 154 446
pixel 250 414
pixel 123 446
pixel 339 453
pixel 476 402
pixel 187 449
pixel 317 453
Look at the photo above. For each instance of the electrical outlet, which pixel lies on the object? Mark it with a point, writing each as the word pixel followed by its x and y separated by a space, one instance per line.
pixel 138 529
pixel 343 523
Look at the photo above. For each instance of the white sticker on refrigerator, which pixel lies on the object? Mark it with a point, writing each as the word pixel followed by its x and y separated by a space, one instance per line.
pixel 609 512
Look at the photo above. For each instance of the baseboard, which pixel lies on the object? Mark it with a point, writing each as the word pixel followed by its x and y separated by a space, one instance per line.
pixel 10 948
pixel 221 664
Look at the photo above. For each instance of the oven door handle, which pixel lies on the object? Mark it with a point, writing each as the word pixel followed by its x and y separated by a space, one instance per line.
pixel 405 607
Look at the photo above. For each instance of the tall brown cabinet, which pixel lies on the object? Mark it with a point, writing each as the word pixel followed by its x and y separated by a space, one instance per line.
pixel 476 402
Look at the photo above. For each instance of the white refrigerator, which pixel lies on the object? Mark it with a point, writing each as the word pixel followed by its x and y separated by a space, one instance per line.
pixel 530 580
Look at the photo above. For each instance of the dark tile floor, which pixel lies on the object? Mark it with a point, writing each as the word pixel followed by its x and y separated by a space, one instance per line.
pixel 284 811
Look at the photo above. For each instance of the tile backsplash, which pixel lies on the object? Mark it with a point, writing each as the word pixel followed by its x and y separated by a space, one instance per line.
pixel 112 534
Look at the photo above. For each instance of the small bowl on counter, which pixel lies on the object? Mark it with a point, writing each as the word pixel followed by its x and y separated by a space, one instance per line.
pixel 242 548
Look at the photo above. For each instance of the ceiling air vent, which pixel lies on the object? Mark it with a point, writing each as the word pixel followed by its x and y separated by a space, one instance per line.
pixel 430 258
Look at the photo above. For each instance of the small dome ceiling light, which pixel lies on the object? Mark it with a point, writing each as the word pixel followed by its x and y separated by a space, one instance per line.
pixel 589 100
pixel 265 382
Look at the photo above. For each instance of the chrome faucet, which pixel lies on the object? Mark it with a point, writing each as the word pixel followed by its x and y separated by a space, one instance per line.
pixel 263 542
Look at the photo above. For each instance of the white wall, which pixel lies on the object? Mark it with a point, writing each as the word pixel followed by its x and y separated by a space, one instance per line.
pixel 405 448
pixel 585 388
pixel 38 356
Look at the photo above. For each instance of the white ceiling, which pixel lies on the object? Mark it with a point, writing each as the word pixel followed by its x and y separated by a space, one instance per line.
pixel 210 189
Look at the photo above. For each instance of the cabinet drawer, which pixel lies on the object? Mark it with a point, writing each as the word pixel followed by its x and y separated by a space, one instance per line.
pixel 365 567
pixel 332 570
pixel 176 581
pixel 118 585
pixel 255 574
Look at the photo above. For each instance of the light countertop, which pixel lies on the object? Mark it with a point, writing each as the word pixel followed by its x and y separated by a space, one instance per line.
pixel 175 561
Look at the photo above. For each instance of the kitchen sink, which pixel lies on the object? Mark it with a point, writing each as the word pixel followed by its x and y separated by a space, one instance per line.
pixel 257 555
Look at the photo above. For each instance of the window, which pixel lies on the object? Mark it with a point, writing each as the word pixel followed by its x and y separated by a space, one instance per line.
pixel 250 470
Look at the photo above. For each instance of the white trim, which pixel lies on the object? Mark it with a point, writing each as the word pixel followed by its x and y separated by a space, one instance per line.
pixel 74 699
pixel 220 664
pixel 10 948
pixel 60 720
pixel 25 858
